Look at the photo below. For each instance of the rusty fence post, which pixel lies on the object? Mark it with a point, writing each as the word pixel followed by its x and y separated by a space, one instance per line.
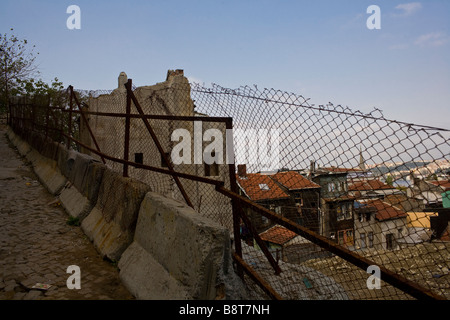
pixel 126 148
pixel 233 186
pixel 69 133
pixel 47 116
pixel 86 122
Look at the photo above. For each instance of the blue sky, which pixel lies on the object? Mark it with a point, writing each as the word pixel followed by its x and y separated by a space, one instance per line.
pixel 319 49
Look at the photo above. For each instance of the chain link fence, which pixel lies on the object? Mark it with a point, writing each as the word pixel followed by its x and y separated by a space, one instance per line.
pixel 342 189
pixel 375 186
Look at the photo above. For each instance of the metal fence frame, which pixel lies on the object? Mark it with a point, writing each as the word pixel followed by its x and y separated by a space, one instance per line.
pixel 19 122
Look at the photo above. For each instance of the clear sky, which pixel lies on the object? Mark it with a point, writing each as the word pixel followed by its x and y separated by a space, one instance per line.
pixel 320 49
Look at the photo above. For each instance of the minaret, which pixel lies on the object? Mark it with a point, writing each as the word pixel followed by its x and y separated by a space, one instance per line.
pixel 362 166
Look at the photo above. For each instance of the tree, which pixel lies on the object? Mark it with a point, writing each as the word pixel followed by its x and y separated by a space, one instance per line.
pixel 390 180
pixel 17 64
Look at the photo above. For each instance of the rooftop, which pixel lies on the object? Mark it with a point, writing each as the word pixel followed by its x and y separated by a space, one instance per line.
pixel 444 184
pixel 372 184
pixel 293 180
pixel 386 211
pixel 278 235
pixel 260 187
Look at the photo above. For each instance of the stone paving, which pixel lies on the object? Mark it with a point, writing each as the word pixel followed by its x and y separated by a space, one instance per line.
pixel 37 245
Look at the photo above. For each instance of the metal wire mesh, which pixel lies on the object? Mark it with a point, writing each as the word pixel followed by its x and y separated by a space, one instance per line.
pixel 377 187
pixel 381 188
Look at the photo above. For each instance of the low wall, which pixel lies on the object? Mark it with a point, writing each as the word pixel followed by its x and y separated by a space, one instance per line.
pixel 164 249
pixel 192 249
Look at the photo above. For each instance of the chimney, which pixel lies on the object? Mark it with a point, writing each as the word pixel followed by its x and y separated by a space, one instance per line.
pixel 242 170
pixel 174 73
pixel 312 167
pixel 122 80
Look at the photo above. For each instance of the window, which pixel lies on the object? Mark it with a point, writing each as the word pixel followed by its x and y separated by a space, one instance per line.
pixel 163 162
pixel 349 237
pixel 390 241
pixel 370 239
pixel 361 217
pixel 263 186
pixel 341 237
pixel 345 237
pixel 139 158
pixel 339 215
pixel 264 220
pixel 348 212
pixel 344 211
pixel 331 187
pixel 363 240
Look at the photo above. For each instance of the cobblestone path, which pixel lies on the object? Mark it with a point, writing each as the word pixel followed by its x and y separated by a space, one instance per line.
pixel 37 245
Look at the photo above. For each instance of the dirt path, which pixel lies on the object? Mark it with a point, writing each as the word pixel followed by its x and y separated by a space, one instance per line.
pixel 37 245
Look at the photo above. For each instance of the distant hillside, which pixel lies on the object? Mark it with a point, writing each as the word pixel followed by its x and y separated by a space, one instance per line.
pixel 384 168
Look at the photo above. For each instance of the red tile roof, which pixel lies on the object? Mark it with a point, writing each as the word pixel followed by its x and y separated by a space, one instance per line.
pixel 278 235
pixel 372 184
pixel 444 184
pixel 250 184
pixel 293 180
pixel 386 211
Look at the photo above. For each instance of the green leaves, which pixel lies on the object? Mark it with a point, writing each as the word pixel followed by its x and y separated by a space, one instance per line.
pixel 17 64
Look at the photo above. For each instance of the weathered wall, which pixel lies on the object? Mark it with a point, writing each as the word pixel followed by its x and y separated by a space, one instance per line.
pixel 170 97
pixel 164 248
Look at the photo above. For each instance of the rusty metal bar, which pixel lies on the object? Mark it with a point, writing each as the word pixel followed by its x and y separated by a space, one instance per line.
pixel 151 116
pixel 264 285
pixel 216 183
pixel 388 276
pixel 261 243
pixel 158 145
pixel 87 125
pixel 47 116
pixel 237 211
pixel 126 147
pixel 70 117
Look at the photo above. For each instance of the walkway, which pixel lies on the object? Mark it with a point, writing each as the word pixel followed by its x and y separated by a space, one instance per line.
pixel 37 245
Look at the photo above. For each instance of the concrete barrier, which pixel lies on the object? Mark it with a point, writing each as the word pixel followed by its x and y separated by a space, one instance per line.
pixel 46 169
pixel 164 248
pixel 193 251
pixel 85 174
pixel 111 223
pixel 22 146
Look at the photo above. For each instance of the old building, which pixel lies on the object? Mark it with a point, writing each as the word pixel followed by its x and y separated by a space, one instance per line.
pixel 261 189
pixel 372 188
pixel 379 225
pixel 336 205
pixel 305 195
pixel 279 239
